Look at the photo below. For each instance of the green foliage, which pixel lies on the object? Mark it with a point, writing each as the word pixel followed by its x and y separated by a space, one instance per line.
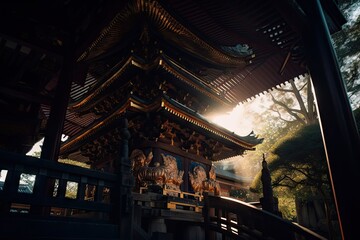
pixel 303 147
pixel 298 167
pixel 284 146
pixel 347 46
pixel 298 160
pixel 274 129
pixel 238 193
pixel 72 187
pixel 36 154
pixel 244 195
pixel 256 186
pixel 296 156
pixel 286 205
pixel 71 190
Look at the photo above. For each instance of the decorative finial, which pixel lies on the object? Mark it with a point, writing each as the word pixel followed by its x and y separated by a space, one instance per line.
pixel 264 163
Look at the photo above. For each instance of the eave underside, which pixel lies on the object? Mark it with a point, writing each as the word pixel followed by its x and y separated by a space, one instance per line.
pixel 177 125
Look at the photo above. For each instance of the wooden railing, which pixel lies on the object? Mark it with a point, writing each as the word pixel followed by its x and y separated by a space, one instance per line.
pixel 47 206
pixel 55 195
pixel 55 186
pixel 227 218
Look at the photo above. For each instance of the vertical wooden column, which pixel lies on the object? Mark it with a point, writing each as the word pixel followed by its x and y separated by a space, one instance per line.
pixel 50 150
pixel 206 215
pixel 339 130
pixel 55 124
pixel 121 197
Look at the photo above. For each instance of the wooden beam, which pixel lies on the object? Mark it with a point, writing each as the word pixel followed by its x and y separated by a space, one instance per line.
pixel 55 124
pixel 339 130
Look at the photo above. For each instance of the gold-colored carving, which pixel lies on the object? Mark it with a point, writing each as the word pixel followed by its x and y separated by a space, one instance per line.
pixel 215 147
pixel 200 183
pixel 168 131
pixel 213 184
pixel 173 176
pixel 166 176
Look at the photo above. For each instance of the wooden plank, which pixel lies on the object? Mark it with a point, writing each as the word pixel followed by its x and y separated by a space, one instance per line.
pixel 8 159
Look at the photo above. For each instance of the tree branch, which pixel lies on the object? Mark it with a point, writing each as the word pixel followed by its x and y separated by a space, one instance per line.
pixel 279 182
pixel 300 101
pixel 289 110
pixel 284 90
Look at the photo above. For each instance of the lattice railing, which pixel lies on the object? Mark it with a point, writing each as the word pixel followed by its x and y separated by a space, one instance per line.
pixel 40 187
pixel 228 218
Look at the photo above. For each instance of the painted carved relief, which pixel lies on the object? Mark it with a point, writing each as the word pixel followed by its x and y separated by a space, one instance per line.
pixel 166 175
pixel 200 183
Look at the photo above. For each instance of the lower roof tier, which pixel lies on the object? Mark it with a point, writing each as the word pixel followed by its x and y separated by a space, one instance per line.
pixel 164 121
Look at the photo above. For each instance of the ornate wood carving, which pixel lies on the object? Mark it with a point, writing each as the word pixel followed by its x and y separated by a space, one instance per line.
pixel 174 134
pixel 166 176
pixel 103 146
pixel 200 183
pixel 154 128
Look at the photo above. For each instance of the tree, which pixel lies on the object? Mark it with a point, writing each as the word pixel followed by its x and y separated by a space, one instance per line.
pixel 347 47
pixel 291 134
pixel 294 102
pixel 298 166
pixel 282 110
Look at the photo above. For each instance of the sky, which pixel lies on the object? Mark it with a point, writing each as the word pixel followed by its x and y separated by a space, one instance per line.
pixel 37 146
pixel 234 121
pixel 241 120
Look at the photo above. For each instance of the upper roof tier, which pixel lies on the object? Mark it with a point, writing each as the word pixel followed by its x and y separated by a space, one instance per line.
pixel 226 47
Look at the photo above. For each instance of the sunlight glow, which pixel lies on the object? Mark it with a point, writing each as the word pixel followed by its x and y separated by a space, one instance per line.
pixel 37 146
pixel 3 174
pixel 241 120
pixel 231 121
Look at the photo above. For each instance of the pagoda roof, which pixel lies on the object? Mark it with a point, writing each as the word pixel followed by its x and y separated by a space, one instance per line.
pixel 224 51
pixel 122 72
pixel 172 110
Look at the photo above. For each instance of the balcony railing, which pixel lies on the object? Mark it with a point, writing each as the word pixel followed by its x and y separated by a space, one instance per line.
pixel 227 218
pixel 43 197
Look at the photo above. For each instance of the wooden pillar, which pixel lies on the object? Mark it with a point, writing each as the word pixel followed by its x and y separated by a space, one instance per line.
pixel 339 130
pixel 55 124
pixel 207 214
pixel 121 198
pixel 50 150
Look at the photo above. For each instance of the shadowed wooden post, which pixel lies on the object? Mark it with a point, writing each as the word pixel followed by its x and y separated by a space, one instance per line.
pixel 207 214
pixel 55 123
pixel 50 150
pixel 339 130
pixel 121 197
